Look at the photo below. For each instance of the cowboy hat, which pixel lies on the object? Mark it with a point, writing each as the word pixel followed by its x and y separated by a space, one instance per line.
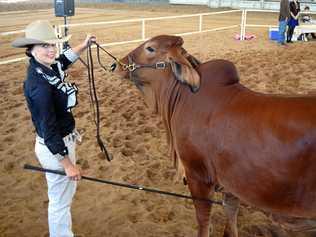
pixel 39 32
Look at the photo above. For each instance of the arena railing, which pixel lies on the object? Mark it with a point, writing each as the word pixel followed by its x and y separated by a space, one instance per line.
pixel 144 20
pixel 59 28
pixel 243 25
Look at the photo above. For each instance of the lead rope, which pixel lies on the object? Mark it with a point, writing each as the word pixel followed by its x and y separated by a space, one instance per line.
pixel 95 102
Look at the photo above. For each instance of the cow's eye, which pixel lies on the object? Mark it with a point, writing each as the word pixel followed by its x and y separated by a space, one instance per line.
pixel 150 49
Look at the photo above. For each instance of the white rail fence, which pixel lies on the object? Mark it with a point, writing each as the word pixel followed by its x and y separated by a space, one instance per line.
pixel 243 25
pixel 142 21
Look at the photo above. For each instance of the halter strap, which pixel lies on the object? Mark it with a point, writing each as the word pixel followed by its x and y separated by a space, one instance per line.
pixel 131 66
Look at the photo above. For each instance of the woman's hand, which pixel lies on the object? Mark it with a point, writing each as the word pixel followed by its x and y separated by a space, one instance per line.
pixel 85 44
pixel 72 171
pixel 89 40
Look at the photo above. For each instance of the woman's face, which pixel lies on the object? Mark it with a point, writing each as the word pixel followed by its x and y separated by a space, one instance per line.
pixel 45 53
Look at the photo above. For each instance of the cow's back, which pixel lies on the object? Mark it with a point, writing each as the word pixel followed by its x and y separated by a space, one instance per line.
pixel 262 148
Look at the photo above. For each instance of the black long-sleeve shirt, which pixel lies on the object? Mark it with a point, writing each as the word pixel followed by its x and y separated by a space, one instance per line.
pixel 48 105
pixel 294 8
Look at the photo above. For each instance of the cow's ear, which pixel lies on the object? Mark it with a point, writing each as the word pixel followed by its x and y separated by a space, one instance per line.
pixel 186 74
pixel 193 60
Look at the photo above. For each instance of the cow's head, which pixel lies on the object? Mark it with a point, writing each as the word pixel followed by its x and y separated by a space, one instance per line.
pixel 156 61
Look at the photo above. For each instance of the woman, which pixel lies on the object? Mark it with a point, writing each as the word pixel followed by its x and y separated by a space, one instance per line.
pixel 293 21
pixel 50 100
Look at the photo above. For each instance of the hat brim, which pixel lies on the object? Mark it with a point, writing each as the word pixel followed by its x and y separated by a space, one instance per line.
pixel 25 42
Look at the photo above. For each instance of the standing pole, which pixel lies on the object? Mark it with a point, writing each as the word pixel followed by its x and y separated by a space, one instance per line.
pixel 241 25
pixel 60 45
pixel 65 23
pixel 58 34
pixel 244 27
pixel 66 45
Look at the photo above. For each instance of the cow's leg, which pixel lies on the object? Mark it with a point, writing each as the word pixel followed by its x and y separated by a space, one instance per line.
pixel 202 209
pixel 231 208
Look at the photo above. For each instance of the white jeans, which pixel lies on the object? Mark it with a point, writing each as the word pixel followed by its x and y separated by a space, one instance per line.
pixel 60 188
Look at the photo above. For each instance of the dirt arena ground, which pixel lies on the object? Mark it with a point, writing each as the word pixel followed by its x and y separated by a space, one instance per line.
pixel 135 137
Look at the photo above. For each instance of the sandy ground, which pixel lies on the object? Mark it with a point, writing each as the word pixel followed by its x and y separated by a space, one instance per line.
pixel 135 137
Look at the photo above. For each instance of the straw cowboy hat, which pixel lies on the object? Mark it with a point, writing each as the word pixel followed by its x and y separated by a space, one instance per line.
pixel 39 32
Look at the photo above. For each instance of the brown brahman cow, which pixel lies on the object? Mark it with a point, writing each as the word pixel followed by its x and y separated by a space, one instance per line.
pixel 260 148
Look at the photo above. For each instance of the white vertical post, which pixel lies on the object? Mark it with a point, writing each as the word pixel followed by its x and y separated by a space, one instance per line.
pixel 59 35
pixel 245 23
pixel 143 30
pixel 241 25
pixel 56 30
pixel 200 23
pixel 61 45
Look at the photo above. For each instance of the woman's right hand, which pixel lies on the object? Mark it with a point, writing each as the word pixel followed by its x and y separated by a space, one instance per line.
pixel 72 171
pixel 89 40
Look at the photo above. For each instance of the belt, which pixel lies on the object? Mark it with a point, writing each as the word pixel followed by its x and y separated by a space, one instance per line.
pixel 73 136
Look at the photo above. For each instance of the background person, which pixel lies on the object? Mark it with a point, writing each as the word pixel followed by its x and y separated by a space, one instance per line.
pixel 306 18
pixel 284 15
pixel 293 21
pixel 50 100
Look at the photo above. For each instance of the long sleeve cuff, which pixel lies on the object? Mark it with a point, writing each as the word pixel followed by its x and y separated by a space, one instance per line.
pixel 61 155
pixel 71 55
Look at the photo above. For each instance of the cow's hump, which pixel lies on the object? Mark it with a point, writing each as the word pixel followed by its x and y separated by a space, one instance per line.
pixel 219 71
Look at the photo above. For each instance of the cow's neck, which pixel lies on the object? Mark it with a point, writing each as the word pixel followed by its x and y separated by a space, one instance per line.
pixel 169 96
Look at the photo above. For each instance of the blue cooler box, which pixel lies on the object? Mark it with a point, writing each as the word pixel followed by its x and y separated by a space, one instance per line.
pixel 273 33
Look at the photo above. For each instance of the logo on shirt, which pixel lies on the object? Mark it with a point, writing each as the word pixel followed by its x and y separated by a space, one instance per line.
pixel 39 70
